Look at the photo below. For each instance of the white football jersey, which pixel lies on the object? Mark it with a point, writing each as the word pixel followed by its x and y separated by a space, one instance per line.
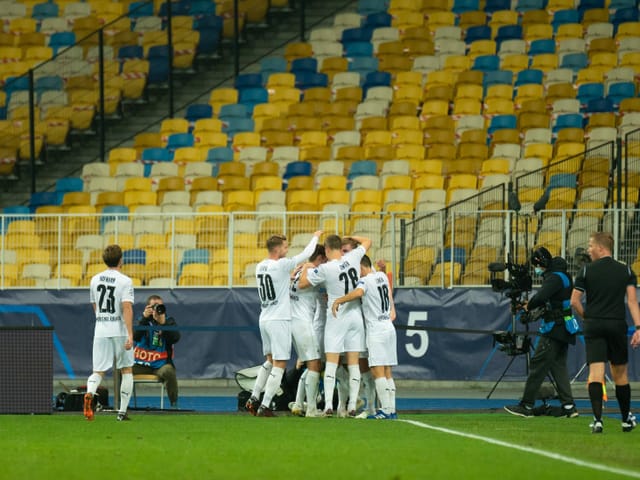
pixel 304 302
pixel 273 280
pixel 376 301
pixel 108 290
pixel 339 277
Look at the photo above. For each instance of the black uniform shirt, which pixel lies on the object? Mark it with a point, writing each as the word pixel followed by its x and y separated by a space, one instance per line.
pixel 605 282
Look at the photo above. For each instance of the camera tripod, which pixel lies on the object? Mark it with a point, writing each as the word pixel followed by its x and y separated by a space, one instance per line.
pixel 514 344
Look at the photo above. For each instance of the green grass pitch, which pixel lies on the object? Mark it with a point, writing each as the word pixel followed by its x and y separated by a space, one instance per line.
pixel 419 446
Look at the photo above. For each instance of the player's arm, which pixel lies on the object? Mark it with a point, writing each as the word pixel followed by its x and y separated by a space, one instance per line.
pixel 634 310
pixel 303 281
pixel 309 249
pixel 127 316
pixel 364 241
pixel 349 297
pixel 576 302
pixel 392 310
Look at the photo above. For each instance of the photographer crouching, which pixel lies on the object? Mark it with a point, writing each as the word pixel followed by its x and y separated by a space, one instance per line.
pixel 557 330
pixel 153 352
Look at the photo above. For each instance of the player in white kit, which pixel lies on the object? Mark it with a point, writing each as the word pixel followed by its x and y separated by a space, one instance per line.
pixel 305 304
pixel 273 279
pixel 344 333
pixel 111 294
pixel 379 312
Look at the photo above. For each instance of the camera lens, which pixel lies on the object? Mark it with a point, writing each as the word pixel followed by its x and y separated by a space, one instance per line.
pixel 159 308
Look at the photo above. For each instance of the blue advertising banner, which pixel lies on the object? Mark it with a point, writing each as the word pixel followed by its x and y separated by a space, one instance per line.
pixel 219 328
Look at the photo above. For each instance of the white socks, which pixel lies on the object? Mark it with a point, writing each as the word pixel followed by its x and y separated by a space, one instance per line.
pixel 382 389
pixel 300 392
pixel 343 387
pixel 354 386
pixel 369 389
pixel 93 382
pixel 261 379
pixel 392 394
pixel 126 387
pixel 272 386
pixel 329 384
pixel 311 388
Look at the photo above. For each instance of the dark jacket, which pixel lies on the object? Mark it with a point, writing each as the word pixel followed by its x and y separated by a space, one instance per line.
pixel 555 296
pixel 144 338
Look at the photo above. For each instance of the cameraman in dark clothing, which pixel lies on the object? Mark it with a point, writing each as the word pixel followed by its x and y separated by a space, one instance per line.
pixel 606 282
pixel 153 352
pixel 557 331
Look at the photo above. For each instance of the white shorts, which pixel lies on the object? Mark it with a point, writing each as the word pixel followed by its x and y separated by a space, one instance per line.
pixel 276 338
pixel 105 349
pixel 304 340
pixel 345 333
pixel 382 348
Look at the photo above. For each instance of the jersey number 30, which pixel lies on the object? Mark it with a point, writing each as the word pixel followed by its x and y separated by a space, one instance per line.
pixel 266 289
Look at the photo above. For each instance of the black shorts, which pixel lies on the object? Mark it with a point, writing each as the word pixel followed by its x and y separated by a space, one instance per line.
pixel 606 341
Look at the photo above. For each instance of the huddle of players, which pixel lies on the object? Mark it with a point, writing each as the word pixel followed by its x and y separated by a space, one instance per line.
pixel 292 312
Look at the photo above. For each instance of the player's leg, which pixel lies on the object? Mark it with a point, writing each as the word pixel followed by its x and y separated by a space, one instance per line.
pixel 124 362
pixel 297 405
pixel 102 356
pixel 392 391
pixel 263 372
pixel 354 381
pixel 330 369
pixel 368 384
pixel 312 381
pixel 280 334
pixel 619 359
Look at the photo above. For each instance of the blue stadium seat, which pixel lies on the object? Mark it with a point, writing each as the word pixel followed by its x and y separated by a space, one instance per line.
pixel 499 122
pixel 623 15
pixel 589 91
pixel 248 80
pixel 461 6
pixel 193 255
pixel 362 167
pixel 48 83
pixel 305 80
pixel 236 125
pixel 575 61
pixel 562 180
pixel 210 29
pixel 219 155
pixel 158 57
pixel 273 64
pixel 508 32
pixel 177 9
pixel 199 8
pixel 156 154
pixel 179 140
pixel 376 79
pixel 61 40
pixel 496 5
pixel 377 20
pixel 588 5
pixel 140 9
pixel 541 46
pixel 358 34
pixel 250 97
pixel 363 65
pixel 130 51
pixel 134 255
pixel 358 49
pixel 477 32
pixel 562 17
pixel 599 105
pixel 530 75
pixel 44 10
pixel 306 64
pixel 197 111
pixel 369 7
pixel 69 184
pixel 526 5
pixel 618 4
pixel 486 63
pixel 567 120
pixel 296 169
pixel 39 199
pixel 233 110
pixel 497 77
pixel 619 91
pixel 455 254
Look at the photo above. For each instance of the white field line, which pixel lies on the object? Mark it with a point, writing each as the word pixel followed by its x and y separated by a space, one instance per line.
pixel 535 451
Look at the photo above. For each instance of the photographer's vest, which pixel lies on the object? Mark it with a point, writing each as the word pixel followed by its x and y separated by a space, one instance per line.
pixel 151 350
pixel 564 316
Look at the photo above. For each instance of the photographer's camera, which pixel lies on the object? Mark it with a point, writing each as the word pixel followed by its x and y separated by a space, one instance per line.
pixel 159 308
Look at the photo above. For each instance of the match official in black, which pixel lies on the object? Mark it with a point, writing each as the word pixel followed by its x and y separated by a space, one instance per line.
pixel 605 282
pixel 557 331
